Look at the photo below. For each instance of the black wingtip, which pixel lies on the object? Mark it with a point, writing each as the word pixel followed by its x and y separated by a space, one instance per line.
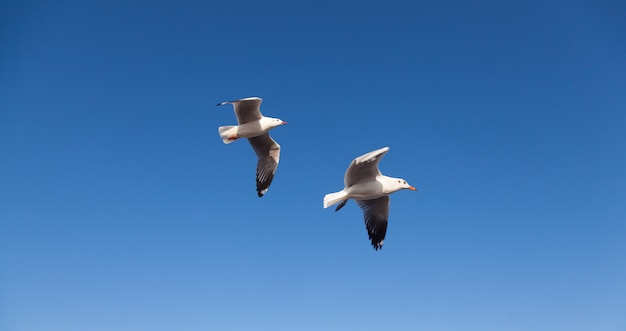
pixel 377 241
pixel 343 203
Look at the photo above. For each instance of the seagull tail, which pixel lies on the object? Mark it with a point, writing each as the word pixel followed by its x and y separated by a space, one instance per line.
pixel 334 198
pixel 227 132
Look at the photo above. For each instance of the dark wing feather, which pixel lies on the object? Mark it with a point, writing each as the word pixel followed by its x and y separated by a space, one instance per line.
pixel 343 203
pixel 375 213
pixel 268 153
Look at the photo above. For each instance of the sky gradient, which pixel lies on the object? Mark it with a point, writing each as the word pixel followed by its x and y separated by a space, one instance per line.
pixel 121 208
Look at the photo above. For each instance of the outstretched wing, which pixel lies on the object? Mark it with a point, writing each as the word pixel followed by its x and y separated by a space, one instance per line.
pixel 268 153
pixel 246 110
pixel 364 167
pixel 376 213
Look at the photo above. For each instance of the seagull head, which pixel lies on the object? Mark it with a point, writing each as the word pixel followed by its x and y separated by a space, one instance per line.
pixel 277 122
pixel 403 184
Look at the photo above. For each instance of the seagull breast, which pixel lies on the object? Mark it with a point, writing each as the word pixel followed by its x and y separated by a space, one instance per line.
pixel 366 190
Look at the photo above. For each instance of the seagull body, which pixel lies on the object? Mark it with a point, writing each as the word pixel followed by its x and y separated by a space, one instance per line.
pixel 254 126
pixel 370 189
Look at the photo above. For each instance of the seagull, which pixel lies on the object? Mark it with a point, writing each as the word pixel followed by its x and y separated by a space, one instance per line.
pixel 370 189
pixel 254 126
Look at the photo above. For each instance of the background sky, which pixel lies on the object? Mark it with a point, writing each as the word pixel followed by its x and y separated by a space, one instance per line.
pixel 121 209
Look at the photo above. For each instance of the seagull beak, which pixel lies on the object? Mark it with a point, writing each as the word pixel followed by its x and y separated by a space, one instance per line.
pixel 284 122
pixel 412 188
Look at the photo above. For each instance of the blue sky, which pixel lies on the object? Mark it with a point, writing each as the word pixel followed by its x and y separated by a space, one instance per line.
pixel 121 209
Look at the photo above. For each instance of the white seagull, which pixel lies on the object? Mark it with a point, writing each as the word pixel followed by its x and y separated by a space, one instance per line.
pixel 370 189
pixel 254 126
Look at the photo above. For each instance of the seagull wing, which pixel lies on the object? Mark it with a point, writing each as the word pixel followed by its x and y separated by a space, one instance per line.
pixel 268 153
pixel 375 213
pixel 364 167
pixel 246 110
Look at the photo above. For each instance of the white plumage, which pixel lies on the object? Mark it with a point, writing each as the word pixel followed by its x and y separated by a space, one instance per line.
pixel 254 126
pixel 370 189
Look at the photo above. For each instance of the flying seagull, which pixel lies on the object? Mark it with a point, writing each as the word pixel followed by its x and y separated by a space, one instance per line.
pixel 254 126
pixel 370 189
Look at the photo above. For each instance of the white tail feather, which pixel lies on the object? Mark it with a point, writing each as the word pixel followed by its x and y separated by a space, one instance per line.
pixel 334 198
pixel 226 132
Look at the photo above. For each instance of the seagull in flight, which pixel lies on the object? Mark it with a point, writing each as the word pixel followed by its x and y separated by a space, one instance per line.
pixel 370 189
pixel 254 126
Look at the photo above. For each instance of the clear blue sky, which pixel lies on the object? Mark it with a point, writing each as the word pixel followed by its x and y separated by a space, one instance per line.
pixel 121 209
